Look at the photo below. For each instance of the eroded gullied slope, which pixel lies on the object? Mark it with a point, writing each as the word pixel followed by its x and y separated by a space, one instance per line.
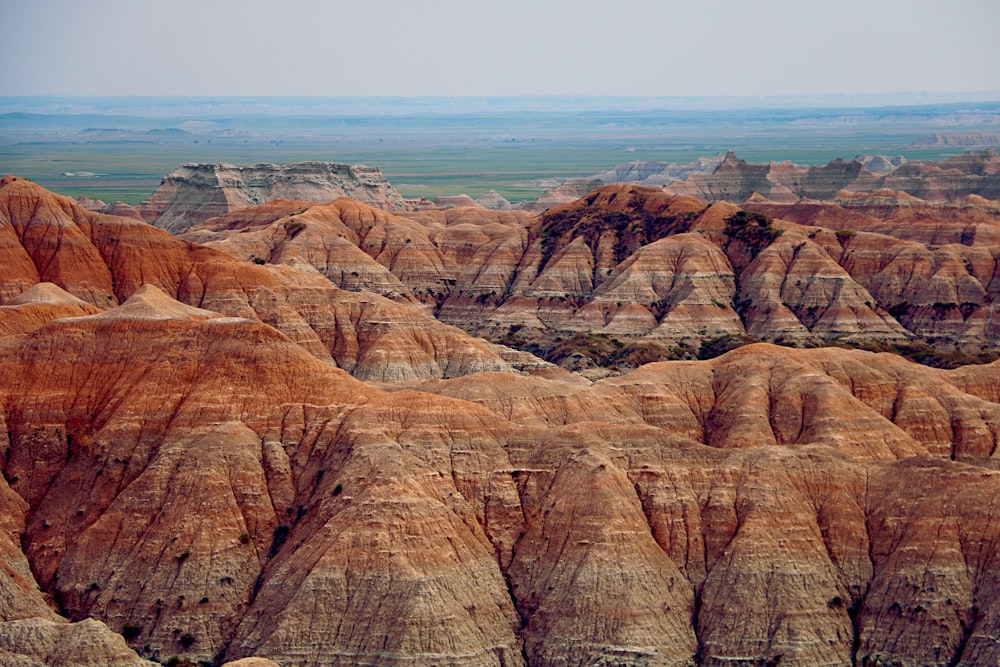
pixel 103 260
pixel 391 561
pixel 226 428
pixel 109 417
pixel 204 484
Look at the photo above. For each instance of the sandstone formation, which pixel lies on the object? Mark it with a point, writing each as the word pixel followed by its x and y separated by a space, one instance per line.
pixel 37 306
pixel 975 139
pixel 452 201
pixel 655 275
pixel 655 173
pixel 305 518
pixel 195 192
pixel 734 180
pixel 493 201
pixel 187 462
pixel 36 642
pixel 563 193
pixel 103 260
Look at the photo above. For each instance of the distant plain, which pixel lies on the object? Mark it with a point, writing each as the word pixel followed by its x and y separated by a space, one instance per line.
pixel 119 152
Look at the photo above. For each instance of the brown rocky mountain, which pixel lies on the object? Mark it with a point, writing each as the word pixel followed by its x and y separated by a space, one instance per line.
pixel 102 260
pixel 734 180
pixel 196 192
pixel 184 463
pixel 234 494
pixel 633 274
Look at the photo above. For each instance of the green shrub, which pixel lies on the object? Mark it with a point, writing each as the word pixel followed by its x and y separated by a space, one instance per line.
pixel 130 631
pixel 753 230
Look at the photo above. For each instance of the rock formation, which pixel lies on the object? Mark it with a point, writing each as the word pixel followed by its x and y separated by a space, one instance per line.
pixel 975 139
pixel 493 201
pixel 568 191
pixel 655 173
pixel 655 275
pixel 184 464
pixel 195 192
pixel 735 180
pixel 103 260
pixel 37 642
pixel 306 518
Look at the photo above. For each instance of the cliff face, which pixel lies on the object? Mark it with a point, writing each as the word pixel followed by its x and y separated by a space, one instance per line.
pixel 195 192
pixel 735 180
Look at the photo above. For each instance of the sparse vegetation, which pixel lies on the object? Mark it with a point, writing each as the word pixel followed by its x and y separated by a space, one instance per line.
pixel 755 231
pixel 924 353
pixel 294 228
pixel 278 538
pixel 632 230
pixel 130 631
pixel 715 347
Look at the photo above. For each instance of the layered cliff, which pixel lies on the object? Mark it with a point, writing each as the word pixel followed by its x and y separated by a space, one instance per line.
pixel 629 274
pixel 734 180
pixel 195 192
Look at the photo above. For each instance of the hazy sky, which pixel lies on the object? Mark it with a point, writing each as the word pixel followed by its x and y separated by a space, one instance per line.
pixel 487 47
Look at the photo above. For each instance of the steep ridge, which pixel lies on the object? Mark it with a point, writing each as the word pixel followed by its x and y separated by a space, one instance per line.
pixel 37 306
pixel 969 221
pixel 411 257
pixel 651 271
pixel 103 260
pixel 630 274
pixel 195 192
pixel 734 179
pixel 304 517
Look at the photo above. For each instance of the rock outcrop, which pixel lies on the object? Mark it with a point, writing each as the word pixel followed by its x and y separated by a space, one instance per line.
pixel 195 192
pixel 655 275
pixel 303 517
pixel 183 464
pixel 104 260
pixel 655 173
pixel 36 642
pixel 735 180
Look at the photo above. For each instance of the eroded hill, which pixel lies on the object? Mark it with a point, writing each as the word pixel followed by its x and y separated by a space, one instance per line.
pixel 184 462
pixel 629 274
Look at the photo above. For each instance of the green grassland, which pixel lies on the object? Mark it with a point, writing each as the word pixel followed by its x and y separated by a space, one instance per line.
pixel 428 155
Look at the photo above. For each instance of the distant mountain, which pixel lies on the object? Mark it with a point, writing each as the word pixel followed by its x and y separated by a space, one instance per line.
pixel 734 179
pixel 963 139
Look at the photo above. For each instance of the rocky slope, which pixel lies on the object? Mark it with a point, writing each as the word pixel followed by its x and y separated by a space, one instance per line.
pixel 195 192
pixel 187 464
pixel 102 261
pixel 301 516
pixel 630 274
pixel 976 173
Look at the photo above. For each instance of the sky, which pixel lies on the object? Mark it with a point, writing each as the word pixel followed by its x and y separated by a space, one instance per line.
pixel 496 48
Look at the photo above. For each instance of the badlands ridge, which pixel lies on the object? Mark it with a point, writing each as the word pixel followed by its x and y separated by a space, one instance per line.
pixel 278 436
